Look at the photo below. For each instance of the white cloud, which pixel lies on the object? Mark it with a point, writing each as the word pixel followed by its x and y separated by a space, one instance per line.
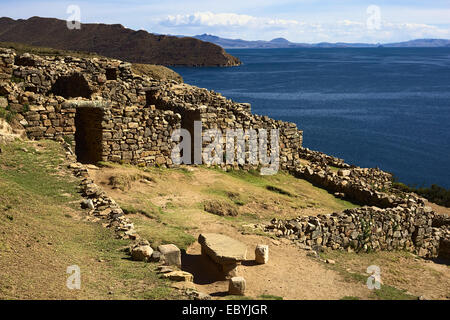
pixel 232 25
pixel 224 19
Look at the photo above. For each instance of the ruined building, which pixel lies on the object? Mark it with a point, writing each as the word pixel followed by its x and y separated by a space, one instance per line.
pixel 107 113
pixel 111 114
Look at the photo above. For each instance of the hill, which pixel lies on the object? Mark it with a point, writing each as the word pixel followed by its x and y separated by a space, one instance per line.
pixel 280 43
pixel 115 41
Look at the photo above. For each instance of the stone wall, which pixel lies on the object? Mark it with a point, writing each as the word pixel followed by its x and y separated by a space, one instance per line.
pixel 6 63
pixel 140 113
pixel 368 229
pixel 366 186
pixel 217 112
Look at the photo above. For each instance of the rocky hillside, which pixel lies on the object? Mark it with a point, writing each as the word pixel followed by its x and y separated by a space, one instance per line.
pixel 115 41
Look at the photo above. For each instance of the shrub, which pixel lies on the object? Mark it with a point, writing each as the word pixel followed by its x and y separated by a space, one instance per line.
pixel 10 116
pixel 16 79
pixel 435 193
pixel 68 140
pixel 3 113
pixel 7 114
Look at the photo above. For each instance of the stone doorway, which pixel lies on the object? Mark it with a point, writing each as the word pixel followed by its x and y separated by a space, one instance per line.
pixel 88 134
pixel 188 117
pixel 72 86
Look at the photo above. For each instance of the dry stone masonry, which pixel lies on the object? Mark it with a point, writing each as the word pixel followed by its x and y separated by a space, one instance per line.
pixel 111 114
pixel 104 112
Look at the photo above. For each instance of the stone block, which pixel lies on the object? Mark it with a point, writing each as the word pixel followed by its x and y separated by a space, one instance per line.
pixel 236 286
pixel 262 254
pixel 171 254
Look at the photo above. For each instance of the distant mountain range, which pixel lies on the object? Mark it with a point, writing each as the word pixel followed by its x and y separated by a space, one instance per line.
pixel 283 43
pixel 115 41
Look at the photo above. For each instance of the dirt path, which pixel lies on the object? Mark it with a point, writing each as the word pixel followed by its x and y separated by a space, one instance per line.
pixel 290 273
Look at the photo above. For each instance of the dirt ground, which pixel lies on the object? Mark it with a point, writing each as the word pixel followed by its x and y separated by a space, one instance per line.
pixel 290 272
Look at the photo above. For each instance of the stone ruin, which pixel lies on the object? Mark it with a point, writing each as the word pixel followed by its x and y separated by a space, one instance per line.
pixel 111 114
pixel 108 113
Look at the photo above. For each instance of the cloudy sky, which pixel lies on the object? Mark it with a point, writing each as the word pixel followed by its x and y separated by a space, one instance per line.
pixel 297 20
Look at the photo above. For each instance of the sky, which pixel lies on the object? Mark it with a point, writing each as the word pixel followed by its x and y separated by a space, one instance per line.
pixel 309 21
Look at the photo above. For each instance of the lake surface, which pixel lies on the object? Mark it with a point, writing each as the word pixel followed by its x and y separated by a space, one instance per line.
pixel 374 107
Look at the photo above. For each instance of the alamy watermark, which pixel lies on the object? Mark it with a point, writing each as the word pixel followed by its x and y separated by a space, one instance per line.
pixel 74 20
pixel 74 280
pixel 374 281
pixel 374 19
pixel 249 146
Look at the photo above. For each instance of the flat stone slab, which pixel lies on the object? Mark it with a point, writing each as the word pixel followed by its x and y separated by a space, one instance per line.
pixel 222 249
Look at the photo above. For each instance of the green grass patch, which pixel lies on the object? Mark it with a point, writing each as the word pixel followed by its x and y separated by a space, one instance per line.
pixel 269 297
pixel 158 233
pixel 38 233
pixel 36 172
pixel 279 190
pixel 238 298
pixel 390 293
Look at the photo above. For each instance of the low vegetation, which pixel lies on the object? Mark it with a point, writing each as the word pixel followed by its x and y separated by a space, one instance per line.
pixel 403 275
pixel 43 231
pixel 156 72
pixel 7 114
pixel 42 236
pixel 435 193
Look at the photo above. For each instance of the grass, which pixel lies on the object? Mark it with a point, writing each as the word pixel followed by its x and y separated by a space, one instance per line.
pixel 237 298
pixel 279 190
pixel 333 169
pixel 270 297
pixel 158 233
pixel 404 277
pixel 385 292
pixel 35 171
pixel 261 297
pixel 43 231
pixel 7 114
pixel 156 72
pixel 299 193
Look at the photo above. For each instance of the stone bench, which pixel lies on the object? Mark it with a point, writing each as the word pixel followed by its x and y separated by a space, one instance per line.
pixel 226 252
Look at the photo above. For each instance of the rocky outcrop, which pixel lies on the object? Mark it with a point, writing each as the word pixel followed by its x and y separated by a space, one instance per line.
pixel 115 41
pixel 322 159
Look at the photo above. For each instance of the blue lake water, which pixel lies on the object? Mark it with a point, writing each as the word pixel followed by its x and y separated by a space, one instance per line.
pixel 374 107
